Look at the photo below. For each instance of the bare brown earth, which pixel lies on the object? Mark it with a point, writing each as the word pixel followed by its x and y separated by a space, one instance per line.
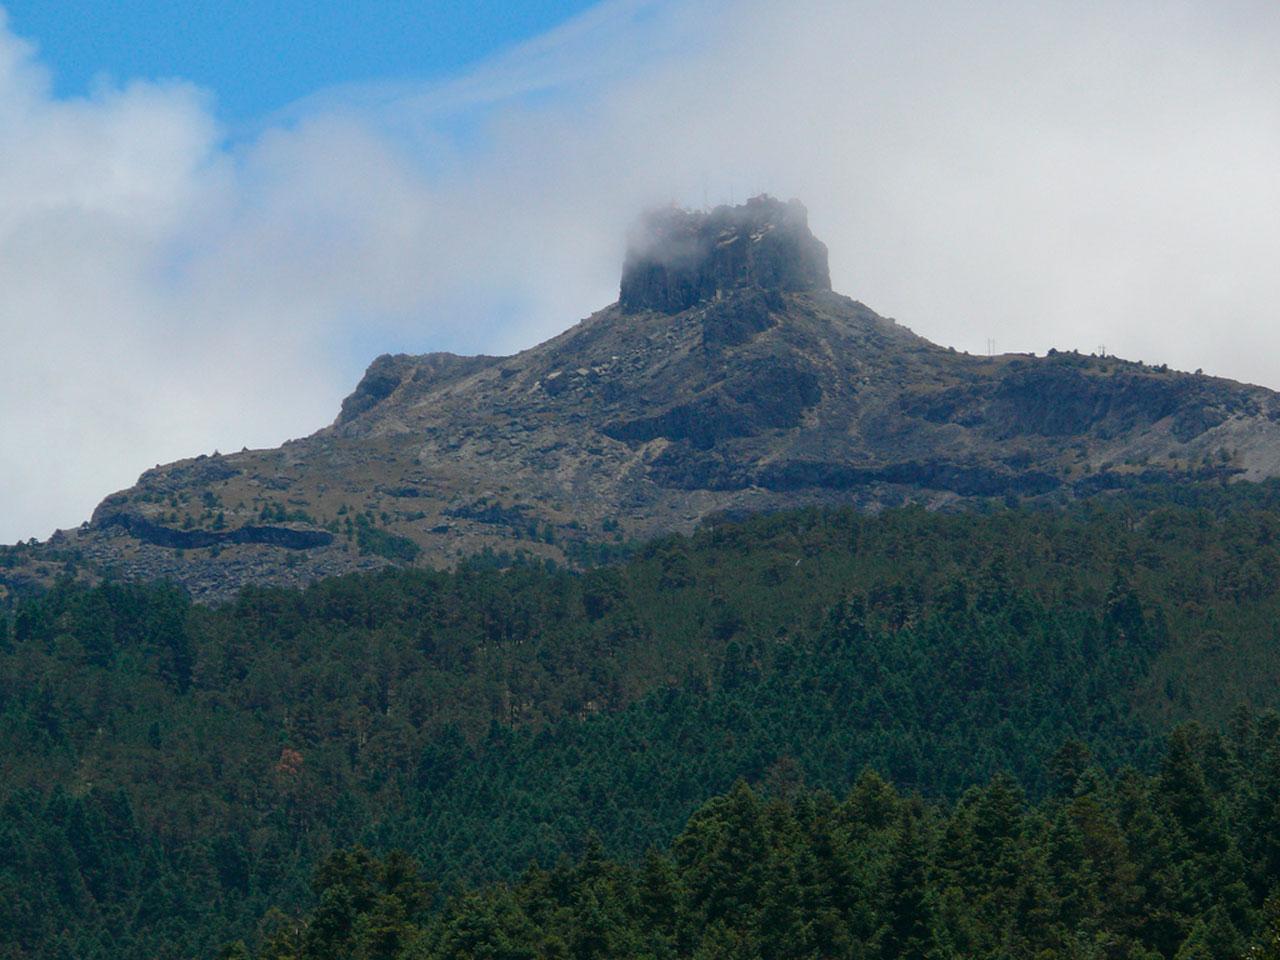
pixel 729 378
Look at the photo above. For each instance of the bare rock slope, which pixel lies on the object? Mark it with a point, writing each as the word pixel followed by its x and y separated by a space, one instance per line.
pixel 728 378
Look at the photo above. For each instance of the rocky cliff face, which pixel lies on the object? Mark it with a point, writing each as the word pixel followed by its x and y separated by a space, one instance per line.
pixel 728 378
pixel 677 259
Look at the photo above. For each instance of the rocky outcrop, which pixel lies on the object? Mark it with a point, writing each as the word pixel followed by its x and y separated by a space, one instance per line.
pixel 390 372
pixel 678 258
pixel 380 381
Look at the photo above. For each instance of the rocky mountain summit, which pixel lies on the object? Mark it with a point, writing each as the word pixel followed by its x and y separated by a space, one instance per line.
pixel 727 378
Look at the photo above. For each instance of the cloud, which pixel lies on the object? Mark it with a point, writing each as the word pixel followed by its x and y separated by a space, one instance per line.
pixel 1057 174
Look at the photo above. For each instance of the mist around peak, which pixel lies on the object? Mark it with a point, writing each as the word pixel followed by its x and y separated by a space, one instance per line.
pixel 677 258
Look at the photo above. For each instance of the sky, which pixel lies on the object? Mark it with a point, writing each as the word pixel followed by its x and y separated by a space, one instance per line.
pixel 212 217
pixel 258 57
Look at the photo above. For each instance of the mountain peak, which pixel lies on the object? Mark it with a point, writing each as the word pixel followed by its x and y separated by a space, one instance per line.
pixel 678 258
pixel 729 379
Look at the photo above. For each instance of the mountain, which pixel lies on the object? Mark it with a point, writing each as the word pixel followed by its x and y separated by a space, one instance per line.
pixel 728 378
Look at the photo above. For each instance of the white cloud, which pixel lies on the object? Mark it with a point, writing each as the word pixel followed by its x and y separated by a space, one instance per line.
pixel 1046 174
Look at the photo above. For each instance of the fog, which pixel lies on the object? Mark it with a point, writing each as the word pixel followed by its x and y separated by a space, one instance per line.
pixel 1064 175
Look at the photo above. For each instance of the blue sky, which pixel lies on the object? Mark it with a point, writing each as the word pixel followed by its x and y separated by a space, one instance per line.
pixel 259 56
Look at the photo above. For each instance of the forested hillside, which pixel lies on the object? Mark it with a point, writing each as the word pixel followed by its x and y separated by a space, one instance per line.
pixel 173 773
pixel 1182 863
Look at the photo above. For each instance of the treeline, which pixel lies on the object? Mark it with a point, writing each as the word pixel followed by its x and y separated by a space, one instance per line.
pixel 173 772
pixel 1183 863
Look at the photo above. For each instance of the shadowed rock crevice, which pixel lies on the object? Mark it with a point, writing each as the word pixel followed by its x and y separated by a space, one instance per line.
pixel 682 468
pixel 161 536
